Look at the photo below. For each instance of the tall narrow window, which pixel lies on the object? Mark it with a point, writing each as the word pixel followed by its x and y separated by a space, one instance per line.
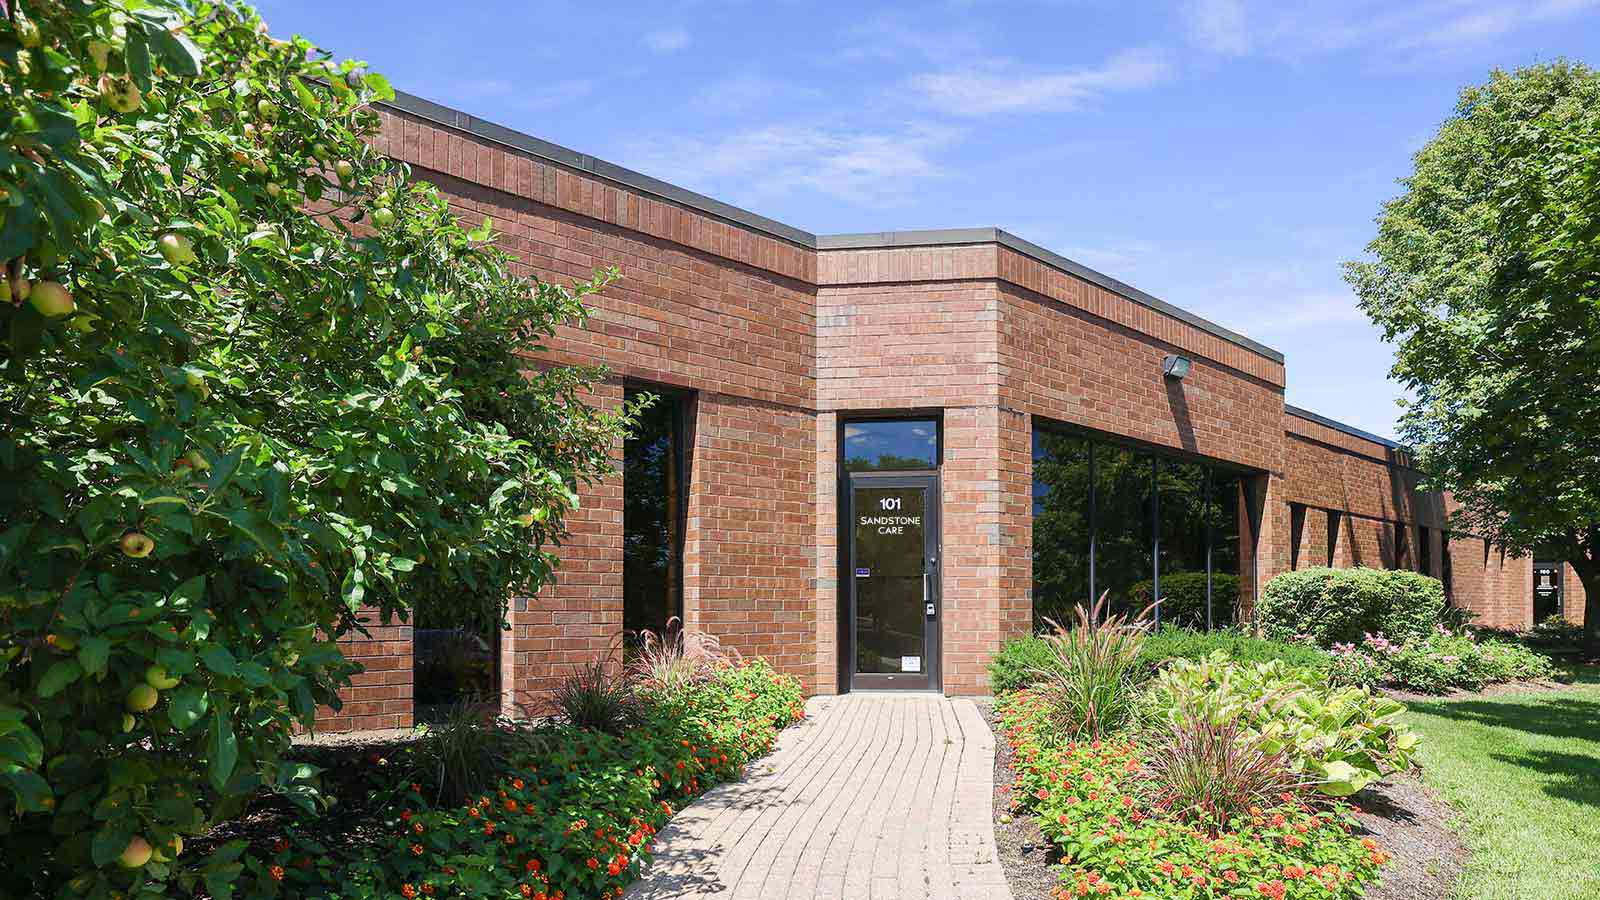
pixel 1124 493
pixel 1183 533
pixel 1061 510
pixel 653 472
pixel 1227 545
pixel 1425 550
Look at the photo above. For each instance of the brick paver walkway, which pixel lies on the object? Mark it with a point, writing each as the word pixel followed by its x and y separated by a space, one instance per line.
pixel 873 797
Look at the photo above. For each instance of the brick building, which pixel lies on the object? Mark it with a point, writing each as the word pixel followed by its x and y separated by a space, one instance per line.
pixel 866 442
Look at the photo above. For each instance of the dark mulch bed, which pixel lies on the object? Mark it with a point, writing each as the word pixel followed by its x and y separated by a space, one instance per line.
pixel 1414 826
pixel 1407 820
pixel 351 766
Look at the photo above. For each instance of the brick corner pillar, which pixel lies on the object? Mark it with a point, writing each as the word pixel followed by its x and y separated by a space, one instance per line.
pixel 577 617
pixel 380 694
pixel 974 537
pixel 827 595
pixel 1016 524
pixel 1267 551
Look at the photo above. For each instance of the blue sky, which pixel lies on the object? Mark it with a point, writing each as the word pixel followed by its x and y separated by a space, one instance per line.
pixel 1224 155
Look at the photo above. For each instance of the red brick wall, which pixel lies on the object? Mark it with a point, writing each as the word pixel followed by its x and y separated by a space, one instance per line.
pixel 778 341
pixel 1574 599
pixel 1496 586
pixel 578 617
pixel 749 557
pixel 701 304
pixel 380 695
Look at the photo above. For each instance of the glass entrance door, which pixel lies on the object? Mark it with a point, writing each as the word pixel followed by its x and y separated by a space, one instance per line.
pixel 894 581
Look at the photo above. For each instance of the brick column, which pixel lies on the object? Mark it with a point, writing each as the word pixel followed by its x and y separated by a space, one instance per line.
pixel 973 535
pixel 1016 523
pixel 827 543
pixel 578 617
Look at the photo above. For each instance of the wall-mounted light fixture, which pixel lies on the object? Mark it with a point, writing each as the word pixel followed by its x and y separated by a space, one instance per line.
pixel 1176 367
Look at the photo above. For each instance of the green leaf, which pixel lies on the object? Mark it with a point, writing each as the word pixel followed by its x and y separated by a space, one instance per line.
pixel 32 791
pixel 188 593
pixel 176 49
pixel 219 660
pixel 93 653
pixel 187 706
pixel 223 470
pixel 58 676
pixel 222 749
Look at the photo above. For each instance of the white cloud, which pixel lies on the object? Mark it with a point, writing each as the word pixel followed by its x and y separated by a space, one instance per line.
pixel 667 40
pixel 1218 26
pixel 873 166
pixel 738 94
pixel 1000 88
pixel 1309 27
pixel 1307 312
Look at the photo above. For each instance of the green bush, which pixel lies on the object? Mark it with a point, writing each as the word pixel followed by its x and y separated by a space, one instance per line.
pixel 1187 643
pixel 1343 737
pixel 1017 664
pixel 1330 606
pixel 1183 598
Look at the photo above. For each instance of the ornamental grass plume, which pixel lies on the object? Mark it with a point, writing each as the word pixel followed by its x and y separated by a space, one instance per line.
pixel 1209 772
pixel 1091 671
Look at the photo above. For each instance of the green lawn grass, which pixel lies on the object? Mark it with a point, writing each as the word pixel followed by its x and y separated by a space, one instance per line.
pixel 1525 773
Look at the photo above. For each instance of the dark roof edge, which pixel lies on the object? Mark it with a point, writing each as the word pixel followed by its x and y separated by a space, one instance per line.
pixel 946 236
pixel 526 143
pixel 1340 426
pixel 440 114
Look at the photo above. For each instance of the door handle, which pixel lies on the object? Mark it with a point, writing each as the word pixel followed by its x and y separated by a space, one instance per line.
pixel 927 600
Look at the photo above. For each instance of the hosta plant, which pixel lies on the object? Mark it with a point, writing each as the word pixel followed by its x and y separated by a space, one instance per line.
pixel 1343 738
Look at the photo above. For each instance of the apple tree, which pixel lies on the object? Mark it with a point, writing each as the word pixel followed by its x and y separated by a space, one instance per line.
pixel 253 379
pixel 1485 273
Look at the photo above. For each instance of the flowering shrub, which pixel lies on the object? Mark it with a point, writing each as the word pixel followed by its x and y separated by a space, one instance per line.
pixel 1436 663
pixel 573 819
pixel 1343 737
pixel 1096 803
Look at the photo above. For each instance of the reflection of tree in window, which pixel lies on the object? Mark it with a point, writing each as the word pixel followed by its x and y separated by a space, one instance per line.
pixel 1060 523
pixel 1124 506
pixel 1087 542
pixel 650 515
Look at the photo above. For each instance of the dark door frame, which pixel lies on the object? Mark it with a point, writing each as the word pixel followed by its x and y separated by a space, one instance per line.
pixel 933 580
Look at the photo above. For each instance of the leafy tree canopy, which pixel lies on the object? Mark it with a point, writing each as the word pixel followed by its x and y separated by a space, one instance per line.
pixel 253 380
pixel 1485 274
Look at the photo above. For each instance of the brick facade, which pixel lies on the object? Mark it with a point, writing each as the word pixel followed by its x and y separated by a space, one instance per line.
pixel 778 337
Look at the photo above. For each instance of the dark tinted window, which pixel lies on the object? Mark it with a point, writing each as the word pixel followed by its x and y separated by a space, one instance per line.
pixel 652 498
pixel 890 445
pixel 1103 512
